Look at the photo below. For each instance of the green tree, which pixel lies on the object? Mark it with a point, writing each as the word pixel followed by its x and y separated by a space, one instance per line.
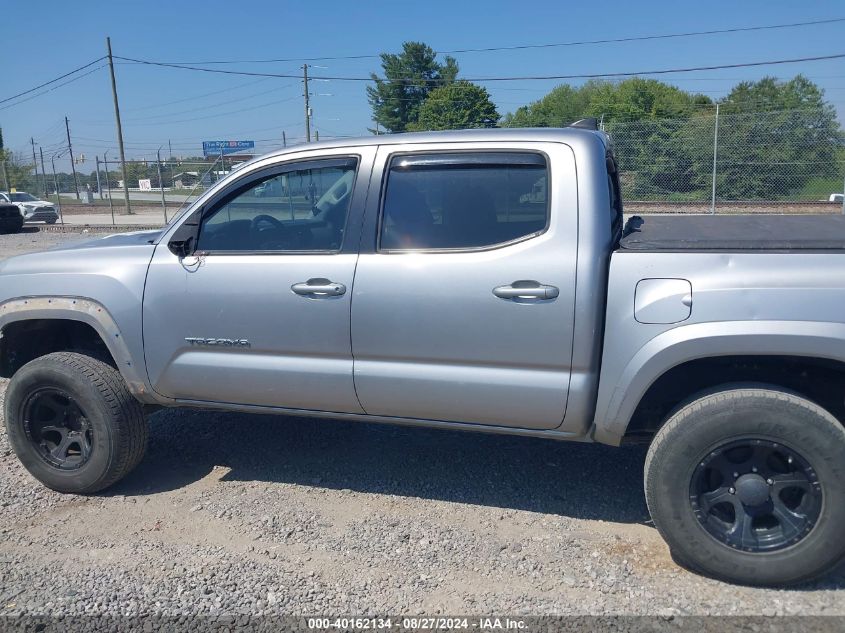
pixel 457 106
pixel 650 121
pixel 630 100
pixel 775 137
pixel 20 172
pixel 409 77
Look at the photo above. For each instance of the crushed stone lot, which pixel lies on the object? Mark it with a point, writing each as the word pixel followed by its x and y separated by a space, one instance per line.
pixel 233 515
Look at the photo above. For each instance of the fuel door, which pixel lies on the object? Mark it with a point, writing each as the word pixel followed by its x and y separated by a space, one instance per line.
pixel 663 301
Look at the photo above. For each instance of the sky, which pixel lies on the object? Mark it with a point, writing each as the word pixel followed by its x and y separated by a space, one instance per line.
pixel 180 107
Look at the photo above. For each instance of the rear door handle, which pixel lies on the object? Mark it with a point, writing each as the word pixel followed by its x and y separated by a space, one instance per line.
pixel 318 287
pixel 526 289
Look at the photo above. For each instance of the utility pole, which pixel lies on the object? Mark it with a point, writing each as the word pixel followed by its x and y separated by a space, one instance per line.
pixel 35 164
pixel 161 184
pixel 307 104
pixel 170 150
pixel 108 184
pixel 43 171
pixel 284 139
pixel 99 186
pixel 72 163
pixel 317 135
pixel 3 161
pixel 715 155
pixel 56 184
pixel 119 129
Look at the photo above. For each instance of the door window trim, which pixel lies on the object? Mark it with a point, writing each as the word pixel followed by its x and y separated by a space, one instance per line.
pixel 475 151
pixel 254 178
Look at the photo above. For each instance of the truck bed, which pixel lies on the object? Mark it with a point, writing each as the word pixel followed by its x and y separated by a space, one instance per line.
pixel 734 233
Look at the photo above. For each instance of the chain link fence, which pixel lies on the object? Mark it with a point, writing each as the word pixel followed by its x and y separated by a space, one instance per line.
pixel 774 161
pixel 778 160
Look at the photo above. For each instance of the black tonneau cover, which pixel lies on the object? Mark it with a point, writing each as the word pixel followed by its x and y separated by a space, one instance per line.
pixel 734 232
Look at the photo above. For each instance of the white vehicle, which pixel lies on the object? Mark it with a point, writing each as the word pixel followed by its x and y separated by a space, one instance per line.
pixel 33 209
pixel 836 197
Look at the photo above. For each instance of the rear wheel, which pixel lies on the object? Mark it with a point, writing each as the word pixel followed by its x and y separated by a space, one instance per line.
pixel 73 423
pixel 747 484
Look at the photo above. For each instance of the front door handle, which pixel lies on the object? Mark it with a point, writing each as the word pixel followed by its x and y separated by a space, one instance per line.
pixel 526 289
pixel 319 287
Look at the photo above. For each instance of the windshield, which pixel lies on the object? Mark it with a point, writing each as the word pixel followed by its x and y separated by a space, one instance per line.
pixel 22 197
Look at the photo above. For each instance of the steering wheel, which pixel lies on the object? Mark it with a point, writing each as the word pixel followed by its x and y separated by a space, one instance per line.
pixel 255 225
pixel 283 236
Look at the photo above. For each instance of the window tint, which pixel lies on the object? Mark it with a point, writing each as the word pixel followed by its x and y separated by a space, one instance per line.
pixel 463 200
pixel 298 210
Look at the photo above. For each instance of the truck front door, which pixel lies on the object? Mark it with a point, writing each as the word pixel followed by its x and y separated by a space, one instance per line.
pixel 260 315
pixel 464 293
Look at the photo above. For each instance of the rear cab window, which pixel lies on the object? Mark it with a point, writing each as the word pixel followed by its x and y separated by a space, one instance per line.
pixel 463 200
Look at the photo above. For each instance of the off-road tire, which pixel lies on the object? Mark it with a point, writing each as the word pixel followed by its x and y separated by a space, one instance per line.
pixel 716 418
pixel 119 430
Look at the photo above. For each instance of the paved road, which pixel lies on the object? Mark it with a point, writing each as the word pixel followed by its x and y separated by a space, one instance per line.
pixel 144 217
pixel 117 196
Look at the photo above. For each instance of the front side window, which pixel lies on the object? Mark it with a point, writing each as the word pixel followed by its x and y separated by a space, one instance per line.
pixel 463 200
pixel 300 209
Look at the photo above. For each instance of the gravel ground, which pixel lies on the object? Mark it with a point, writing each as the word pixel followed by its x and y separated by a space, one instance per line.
pixel 32 239
pixel 234 514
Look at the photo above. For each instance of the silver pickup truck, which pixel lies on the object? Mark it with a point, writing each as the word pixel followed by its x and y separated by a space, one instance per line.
pixel 478 280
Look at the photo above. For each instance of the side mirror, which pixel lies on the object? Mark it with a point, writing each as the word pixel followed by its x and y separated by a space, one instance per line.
pixel 184 240
pixel 181 248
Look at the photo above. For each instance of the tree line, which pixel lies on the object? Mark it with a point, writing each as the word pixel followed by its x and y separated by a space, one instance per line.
pixel 777 137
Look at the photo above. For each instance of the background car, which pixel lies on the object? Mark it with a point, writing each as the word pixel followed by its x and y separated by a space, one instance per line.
pixel 33 209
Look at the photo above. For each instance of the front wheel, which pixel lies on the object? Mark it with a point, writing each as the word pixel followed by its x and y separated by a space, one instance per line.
pixel 747 484
pixel 73 423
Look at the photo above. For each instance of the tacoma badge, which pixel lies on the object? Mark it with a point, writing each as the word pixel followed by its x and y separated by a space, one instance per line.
pixel 218 342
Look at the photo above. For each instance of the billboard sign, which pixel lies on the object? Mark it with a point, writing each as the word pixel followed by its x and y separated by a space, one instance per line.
pixel 214 148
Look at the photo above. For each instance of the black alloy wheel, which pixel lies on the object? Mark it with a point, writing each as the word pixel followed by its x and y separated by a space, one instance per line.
pixel 58 429
pixel 756 495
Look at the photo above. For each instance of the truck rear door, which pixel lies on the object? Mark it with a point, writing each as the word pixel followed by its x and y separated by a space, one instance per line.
pixel 464 291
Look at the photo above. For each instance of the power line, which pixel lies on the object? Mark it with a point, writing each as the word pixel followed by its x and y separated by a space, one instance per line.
pixel 65 83
pixel 639 38
pixel 195 97
pixel 212 116
pixel 643 38
pixel 662 71
pixel 210 107
pixel 52 81
pixel 207 70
